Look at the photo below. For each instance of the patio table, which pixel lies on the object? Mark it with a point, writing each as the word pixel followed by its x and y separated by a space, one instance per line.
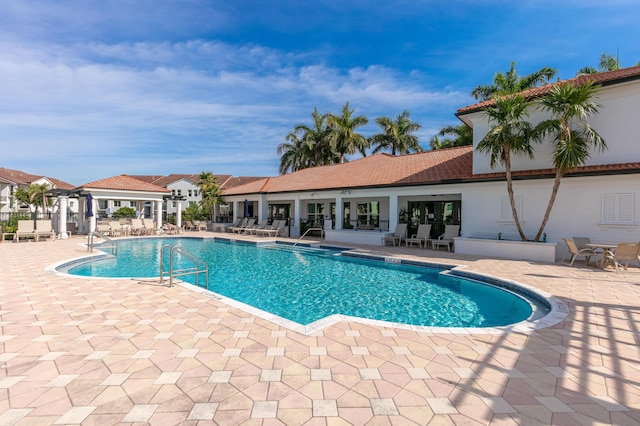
pixel 605 249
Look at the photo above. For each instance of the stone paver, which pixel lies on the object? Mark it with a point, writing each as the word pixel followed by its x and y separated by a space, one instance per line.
pixel 87 351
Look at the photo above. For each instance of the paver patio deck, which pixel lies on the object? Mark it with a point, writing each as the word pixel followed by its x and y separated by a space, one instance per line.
pixel 100 351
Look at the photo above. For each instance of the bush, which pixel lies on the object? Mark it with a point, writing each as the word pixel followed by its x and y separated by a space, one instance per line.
pixel 11 225
pixel 123 212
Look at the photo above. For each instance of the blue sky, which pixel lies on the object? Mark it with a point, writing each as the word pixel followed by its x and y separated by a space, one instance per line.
pixel 92 89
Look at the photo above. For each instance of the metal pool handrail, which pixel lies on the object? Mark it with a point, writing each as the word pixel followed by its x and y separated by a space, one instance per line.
pixel 110 244
pixel 194 270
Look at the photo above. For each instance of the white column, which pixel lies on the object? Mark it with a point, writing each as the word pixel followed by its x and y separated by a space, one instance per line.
pixel 339 213
pixel 296 212
pixel 393 212
pixel 62 217
pixel 263 208
pixel 235 212
pixel 179 215
pixel 158 214
pixel 92 219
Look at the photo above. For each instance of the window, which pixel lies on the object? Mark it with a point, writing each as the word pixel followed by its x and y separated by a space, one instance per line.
pixel 173 204
pixel 316 214
pixel 190 193
pixel 617 208
pixel 369 214
pixel 117 203
pixel 179 191
pixel 173 192
pixel 506 215
pixel 132 203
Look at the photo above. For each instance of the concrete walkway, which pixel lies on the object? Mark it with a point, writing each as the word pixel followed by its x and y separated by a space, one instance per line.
pixel 95 351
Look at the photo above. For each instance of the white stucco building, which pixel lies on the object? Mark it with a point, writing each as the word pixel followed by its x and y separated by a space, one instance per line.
pixel 599 200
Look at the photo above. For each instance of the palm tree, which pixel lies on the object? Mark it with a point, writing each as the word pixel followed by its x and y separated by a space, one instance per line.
pixel 342 133
pixel 462 136
pixel 34 195
pixel 511 82
pixel 607 63
pixel 307 146
pixel 570 106
pixel 510 134
pixel 210 192
pixel 295 153
pixel 396 135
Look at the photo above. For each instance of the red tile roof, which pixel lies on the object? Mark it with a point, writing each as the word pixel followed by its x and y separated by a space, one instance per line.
pixel 124 183
pixel 429 167
pixel 604 78
pixel 384 170
pixel 22 178
pixel 599 169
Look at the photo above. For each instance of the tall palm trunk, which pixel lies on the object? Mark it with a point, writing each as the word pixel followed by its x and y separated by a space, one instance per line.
pixel 514 211
pixel 554 192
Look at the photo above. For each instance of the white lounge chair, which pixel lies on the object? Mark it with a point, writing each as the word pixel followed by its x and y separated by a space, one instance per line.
pixel 239 225
pixel 44 229
pixel 446 239
pixel 25 230
pixel 398 235
pixel 421 237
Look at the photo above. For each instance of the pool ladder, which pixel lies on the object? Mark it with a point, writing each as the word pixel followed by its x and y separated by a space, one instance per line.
pixel 309 230
pixel 109 242
pixel 199 266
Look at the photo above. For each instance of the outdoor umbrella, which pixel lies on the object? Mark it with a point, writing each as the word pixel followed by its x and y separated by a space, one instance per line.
pixel 246 208
pixel 89 205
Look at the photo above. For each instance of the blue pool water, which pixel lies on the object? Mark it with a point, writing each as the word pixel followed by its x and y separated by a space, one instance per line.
pixel 307 285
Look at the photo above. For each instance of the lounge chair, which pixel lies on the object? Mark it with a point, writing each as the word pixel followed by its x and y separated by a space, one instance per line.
pixel 422 236
pixel 25 230
pixel 575 251
pixel 103 229
pixel 249 225
pixel 255 229
pixel 200 226
pixel 625 252
pixel 273 230
pixel 397 236
pixel 446 239
pixel 137 228
pixel 240 223
pixel 116 228
pixel 149 227
pixel 240 229
pixel 44 229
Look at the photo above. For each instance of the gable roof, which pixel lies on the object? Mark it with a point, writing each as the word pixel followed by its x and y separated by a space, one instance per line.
pixel 603 78
pixel 124 183
pixel 429 167
pixel 21 178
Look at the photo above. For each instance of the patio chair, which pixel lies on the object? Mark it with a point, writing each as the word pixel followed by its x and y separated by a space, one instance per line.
pixel 581 242
pixel 397 236
pixel 274 229
pixel 575 252
pixel 116 228
pixel 25 230
pixel 137 228
pixel 239 225
pixel 255 229
pixel 625 252
pixel 201 226
pixel 103 229
pixel 44 229
pixel 446 239
pixel 421 236
pixel 149 227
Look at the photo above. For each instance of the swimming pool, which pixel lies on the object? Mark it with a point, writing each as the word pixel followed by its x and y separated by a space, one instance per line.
pixel 306 285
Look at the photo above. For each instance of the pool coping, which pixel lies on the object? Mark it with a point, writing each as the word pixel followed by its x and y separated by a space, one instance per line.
pixel 558 310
